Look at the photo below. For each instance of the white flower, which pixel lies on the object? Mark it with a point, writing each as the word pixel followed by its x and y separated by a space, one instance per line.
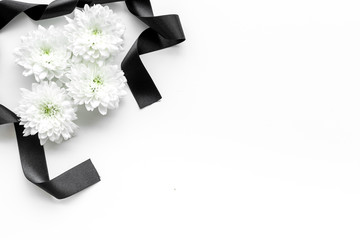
pixel 96 87
pixel 48 111
pixel 95 34
pixel 43 53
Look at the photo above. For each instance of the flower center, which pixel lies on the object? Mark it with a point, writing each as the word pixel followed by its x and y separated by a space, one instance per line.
pixel 49 109
pixel 46 50
pixel 97 82
pixel 96 31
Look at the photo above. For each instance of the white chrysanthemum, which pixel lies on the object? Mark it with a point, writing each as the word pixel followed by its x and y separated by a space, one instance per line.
pixel 95 34
pixel 43 53
pixel 96 87
pixel 48 111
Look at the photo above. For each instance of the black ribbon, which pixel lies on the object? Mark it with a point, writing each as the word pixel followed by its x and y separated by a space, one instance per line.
pixel 34 166
pixel 164 31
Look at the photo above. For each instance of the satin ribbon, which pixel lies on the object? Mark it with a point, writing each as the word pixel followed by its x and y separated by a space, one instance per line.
pixel 164 31
pixel 34 166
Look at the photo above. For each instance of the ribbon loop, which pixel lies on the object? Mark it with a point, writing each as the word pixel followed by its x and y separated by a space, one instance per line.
pixel 163 32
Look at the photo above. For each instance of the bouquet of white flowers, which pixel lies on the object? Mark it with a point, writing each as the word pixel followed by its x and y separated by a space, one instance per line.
pixel 73 66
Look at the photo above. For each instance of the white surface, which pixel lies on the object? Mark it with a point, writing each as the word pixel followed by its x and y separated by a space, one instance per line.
pixel 257 135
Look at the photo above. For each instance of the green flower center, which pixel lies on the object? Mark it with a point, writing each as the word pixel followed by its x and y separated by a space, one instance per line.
pixel 46 50
pixel 49 109
pixel 96 31
pixel 97 81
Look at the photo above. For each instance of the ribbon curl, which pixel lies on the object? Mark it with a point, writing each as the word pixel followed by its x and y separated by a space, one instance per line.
pixel 34 165
pixel 164 31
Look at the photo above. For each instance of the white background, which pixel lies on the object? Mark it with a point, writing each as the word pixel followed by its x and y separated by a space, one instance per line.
pixel 257 135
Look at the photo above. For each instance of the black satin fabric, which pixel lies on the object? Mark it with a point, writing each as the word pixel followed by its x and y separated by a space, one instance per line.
pixel 164 31
pixel 34 166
